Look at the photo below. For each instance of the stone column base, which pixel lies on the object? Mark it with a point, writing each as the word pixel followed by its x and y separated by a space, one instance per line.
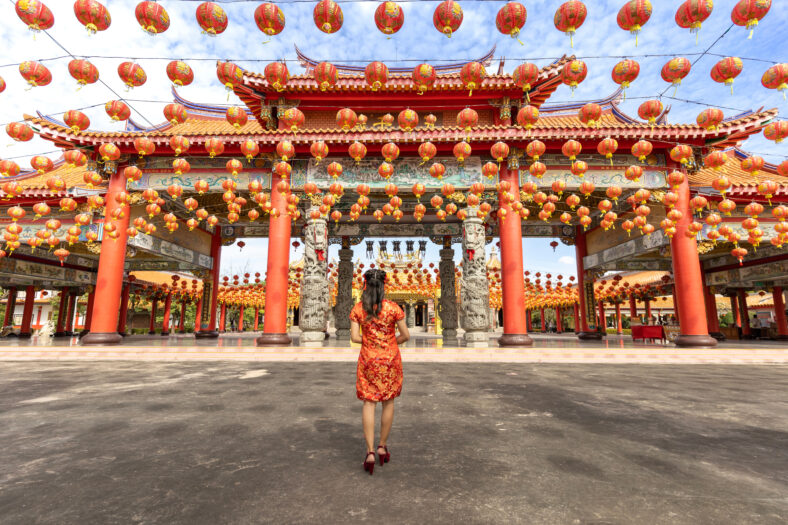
pixel 274 340
pixel 695 341
pixel 60 334
pixel 101 338
pixel 719 336
pixel 28 335
pixel 165 334
pixel 312 338
pixel 589 336
pixel 151 332
pixel 515 340
pixel 208 334
pixel 476 339
pixel 449 333
pixel 343 333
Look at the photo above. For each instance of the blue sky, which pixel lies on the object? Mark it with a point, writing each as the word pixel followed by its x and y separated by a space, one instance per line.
pixel 359 40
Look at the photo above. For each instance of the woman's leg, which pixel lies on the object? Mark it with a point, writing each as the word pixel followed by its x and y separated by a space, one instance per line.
pixel 386 419
pixel 368 422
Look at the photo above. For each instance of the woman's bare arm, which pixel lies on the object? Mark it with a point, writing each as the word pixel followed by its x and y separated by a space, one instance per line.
pixel 355 332
pixel 404 334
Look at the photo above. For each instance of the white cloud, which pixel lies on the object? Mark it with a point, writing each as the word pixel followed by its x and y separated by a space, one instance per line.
pixel 567 260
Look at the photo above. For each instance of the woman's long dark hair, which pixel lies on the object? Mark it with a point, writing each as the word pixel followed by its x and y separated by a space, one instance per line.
pixel 372 298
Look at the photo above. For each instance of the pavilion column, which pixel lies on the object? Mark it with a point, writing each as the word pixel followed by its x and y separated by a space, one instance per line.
pixel 27 312
pixel 256 318
pixel 745 314
pixel 619 326
pixel 344 302
pixel 602 317
pixel 688 279
pixel 410 315
pixel 276 285
pixel 542 320
pixel 124 309
pixel 448 299
pixel 198 315
pixel 89 312
pixel 558 321
pixel 72 310
pixel 154 304
pixel 633 307
pixel 515 331
pixel 585 290
pixel 210 287
pixel 10 306
pixel 223 318
pixel 735 313
pixel 60 328
pixel 713 318
pixel 315 298
pixel 182 320
pixel 779 312
pixel 577 318
pixel 647 302
pixel 241 318
pixel 109 281
pixel 165 324
pixel 528 322
pixel 474 285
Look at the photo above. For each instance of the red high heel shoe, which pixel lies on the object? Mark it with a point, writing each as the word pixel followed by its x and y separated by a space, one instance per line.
pixel 369 466
pixel 384 458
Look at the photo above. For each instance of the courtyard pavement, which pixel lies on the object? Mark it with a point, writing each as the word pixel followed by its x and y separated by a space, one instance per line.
pixel 280 442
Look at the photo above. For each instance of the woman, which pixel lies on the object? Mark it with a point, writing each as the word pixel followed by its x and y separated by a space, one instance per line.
pixel 379 371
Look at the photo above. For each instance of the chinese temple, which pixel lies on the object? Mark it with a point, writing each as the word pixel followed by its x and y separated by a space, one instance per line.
pixel 451 155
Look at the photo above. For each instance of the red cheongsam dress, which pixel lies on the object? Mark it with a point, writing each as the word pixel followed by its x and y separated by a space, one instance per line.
pixel 379 371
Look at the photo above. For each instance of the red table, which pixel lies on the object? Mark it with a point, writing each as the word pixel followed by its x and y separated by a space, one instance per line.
pixel 648 332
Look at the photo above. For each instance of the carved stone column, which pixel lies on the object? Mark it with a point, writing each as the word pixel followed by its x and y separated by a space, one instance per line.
pixel 410 312
pixel 448 300
pixel 344 291
pixel 314 286
pixel 474 291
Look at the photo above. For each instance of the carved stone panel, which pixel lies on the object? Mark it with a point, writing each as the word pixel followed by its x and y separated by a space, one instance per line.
pixel 448 300
pixel 344 293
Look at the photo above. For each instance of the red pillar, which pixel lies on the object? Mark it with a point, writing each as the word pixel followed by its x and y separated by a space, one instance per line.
pixel 72 310
pixel 577 318
pixel 648 311
pixel 212 286
pixel 182 320
pixel 745 314
pixel 779 312
pixel 165 324
pixel 222 318
pixel 60 327
pixel 619 326
pixel 10 306
pixel 633 307
pixel 541 318
pixel 276 285
pixel 713 319
pixel 528 320
pixel 688 279
pixel 241 319
pixel 735 312
pixel 515 331
pixel 602 318
pixel 581 250
pixel 124 309
pixel 89 311
pixel 197 316
pixel 109 281
pixel 256 318
pixel 27 313
pixel 558 321
pixel 154 303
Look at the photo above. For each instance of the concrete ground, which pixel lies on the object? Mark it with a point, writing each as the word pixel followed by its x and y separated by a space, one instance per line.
pixel 280 442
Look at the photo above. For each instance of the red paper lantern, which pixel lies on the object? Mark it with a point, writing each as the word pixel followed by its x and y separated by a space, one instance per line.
pixel 109 152
pixel 462 150
pixel 269 19
pixel 236 116
pixel 181 166
pixel 152 17
pixel 386 170
pixel 42 164
pixel 319 150
pixel 334 169
pixel 211 18
pixel 710 118
pixel 537 169
pixel 499 151
pixel 179 144
pixel 527 116
pixel 175 114
pixel 692 13
pixel 467 119
pixel 229 74
pixel 633 16
pixel 776 131
pixel 472 75
pixel 776 77
pixel 590 114
pixel 117 110
pixel 525 76
pixel 437 170
pixel 535 149
pixel 490 170
pixel 19 132
pixel 747 13
pixel 675 70
pixel 681 153
pixel 277 75
pixel 214 147
pixel 569 17
pixel 325 75
pixel 234 167
pixel 132 173
pixel 357 151
pixel 571 149
pixel 407 120
pixel 511 19
pixel 424 77
pixel 427 151
pixel 390 152
pixel 328 16
pixel 726 70
pixel 752 164
pixel 573 73
pixel 35 14
pixel 376 74
pixel 607 147
pixel 633 173
pixel 624 73
pixel 93 15
pixel 389 17
pixel 35 73
pixel 179 73
pixel 292 119
pixel 642 149
pixel 650 110
pixel 83 72
pixel 447 17
pixel 9 168
pixel 132 74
